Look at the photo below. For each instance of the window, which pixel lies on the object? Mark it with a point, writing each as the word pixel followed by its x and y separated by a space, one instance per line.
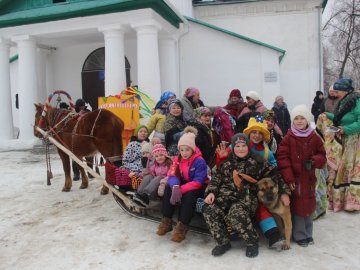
pixel 58 1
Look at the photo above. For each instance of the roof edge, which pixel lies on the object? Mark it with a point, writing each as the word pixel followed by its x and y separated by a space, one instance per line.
pixel 238 36
pixel 68 12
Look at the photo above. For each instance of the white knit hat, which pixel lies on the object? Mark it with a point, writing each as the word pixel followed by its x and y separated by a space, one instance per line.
pixel 146 147
pixel 253 95
pixel 302 110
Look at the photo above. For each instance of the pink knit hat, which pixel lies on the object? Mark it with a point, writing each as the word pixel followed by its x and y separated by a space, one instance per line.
pixel 159 149
pixel 188 138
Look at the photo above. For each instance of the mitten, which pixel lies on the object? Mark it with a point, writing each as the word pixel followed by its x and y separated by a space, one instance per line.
pixel 175 195
pixel 161 188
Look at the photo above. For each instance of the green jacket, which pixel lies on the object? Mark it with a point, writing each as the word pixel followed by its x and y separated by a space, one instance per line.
pixel 350 121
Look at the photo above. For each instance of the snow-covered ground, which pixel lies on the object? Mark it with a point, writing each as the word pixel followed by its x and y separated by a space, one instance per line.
pixel 44 228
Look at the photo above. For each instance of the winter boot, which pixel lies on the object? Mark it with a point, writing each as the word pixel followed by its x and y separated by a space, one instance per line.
pixel 220 249
pixel 252 251
pixel 179 232
pixel 165 226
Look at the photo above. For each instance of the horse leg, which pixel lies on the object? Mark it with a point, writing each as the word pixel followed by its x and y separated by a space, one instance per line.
pixel 66 166
pixel 84 178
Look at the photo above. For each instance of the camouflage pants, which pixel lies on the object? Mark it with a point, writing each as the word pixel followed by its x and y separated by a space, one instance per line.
pixel 237 215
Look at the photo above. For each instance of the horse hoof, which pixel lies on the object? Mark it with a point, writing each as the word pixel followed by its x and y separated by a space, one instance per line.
pixel 65 189
pixel 83 186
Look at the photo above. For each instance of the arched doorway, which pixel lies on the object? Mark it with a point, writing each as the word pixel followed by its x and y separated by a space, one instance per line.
pixel 93 76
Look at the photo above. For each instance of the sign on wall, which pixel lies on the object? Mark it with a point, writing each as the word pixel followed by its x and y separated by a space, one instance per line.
pixel 270 76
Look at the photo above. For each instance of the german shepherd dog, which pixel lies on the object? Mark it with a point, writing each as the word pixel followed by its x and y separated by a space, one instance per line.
pixel 268 195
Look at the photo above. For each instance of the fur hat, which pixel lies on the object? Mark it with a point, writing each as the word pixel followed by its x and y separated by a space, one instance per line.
pixel 188 138
pixel 343 84
pixel 235 93
pixel 159 149
pixel 258 123
pixel 240 137
pixel 302 110
pixel 253 95
pixel 146 147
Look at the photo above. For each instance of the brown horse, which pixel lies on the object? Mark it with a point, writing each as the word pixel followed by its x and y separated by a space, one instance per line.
pixel 84 135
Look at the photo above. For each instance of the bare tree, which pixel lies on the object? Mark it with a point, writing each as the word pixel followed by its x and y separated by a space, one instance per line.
pixel 342 42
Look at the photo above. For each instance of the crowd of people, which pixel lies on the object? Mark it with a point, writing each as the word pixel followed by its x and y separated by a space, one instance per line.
pixel 198 152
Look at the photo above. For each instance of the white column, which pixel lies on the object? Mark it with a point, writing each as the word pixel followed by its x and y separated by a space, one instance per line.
pixel 168 66
pixel 115 76
pixel 6 130
pixel 148 58
pixel 41 73
pixel 27 85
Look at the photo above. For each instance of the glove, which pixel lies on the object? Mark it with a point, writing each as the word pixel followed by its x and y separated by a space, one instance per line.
pixel 175 195
pixel 161 188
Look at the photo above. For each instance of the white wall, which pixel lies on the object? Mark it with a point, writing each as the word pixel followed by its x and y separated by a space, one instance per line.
pixel 216 63
pixel 294 28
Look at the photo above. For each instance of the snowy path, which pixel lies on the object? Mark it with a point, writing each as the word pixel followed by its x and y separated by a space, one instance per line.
pixel 44 228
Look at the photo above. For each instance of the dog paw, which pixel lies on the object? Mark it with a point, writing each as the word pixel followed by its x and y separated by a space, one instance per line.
pixel 285 246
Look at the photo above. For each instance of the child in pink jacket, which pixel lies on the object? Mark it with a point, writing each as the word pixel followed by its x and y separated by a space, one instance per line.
pixel 158 170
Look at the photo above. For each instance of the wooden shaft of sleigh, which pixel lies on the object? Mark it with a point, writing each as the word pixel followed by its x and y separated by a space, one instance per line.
pixel 125 199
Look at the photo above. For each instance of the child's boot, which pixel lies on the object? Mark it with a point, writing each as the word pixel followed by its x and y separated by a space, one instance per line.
pixel 165 226
pixel 179 232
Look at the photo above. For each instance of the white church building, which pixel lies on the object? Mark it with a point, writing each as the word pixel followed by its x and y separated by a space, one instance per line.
pixel 99 47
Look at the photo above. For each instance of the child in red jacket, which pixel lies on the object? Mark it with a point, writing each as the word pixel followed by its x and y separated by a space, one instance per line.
pixel 299 153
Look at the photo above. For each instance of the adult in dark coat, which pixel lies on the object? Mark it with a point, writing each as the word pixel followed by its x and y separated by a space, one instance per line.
pixel 331 102
pixel 206 139
pixel 282 114
pixel 174 126
pixel 316 107
pixel 81 108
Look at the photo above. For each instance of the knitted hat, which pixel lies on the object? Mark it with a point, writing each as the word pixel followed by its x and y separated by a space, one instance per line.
pixel 344 84
pixel 253 95
pixel 240 138
pixel 269 114
pixel 191 91
pixel 188 138
pixel 302 110
pixel 235 93
pixel 159 149
pixel 258 123
pixel 146 147
pixel 138 128
pixel 177 102
pixel 201 111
